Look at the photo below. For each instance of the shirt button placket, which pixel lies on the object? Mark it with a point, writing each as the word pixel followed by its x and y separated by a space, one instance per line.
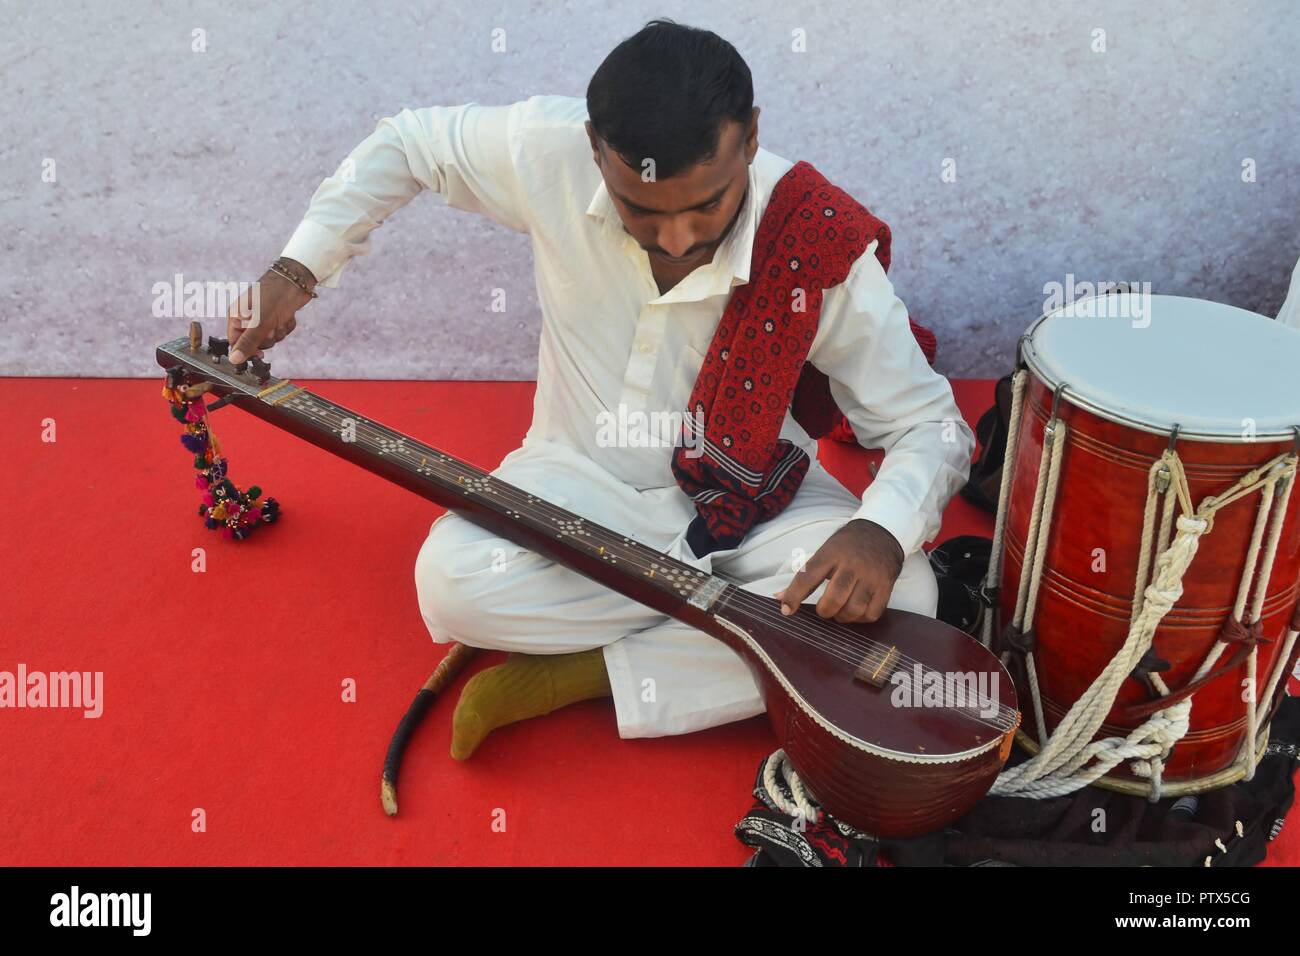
pixel 644 357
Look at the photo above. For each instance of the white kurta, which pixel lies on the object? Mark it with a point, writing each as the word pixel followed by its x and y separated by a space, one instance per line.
pixel 612 348
pixel 1289 314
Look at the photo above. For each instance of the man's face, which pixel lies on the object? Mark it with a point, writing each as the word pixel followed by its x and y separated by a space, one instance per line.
pixel 682 220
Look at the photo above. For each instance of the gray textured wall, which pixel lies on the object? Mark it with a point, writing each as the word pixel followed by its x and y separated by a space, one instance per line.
pixel 1120 165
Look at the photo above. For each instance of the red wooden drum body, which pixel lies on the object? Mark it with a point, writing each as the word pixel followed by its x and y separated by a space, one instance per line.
pixel 1086 592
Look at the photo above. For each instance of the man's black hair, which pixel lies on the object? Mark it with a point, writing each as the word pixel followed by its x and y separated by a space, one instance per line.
pixel 664 94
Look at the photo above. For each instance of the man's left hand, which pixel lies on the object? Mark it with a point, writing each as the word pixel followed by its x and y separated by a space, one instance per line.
pixel 862 561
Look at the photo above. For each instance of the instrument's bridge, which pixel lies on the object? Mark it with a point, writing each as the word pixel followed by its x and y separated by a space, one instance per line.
pixel 877 667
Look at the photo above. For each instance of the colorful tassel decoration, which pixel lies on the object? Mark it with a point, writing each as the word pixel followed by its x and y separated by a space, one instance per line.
pixel 223 505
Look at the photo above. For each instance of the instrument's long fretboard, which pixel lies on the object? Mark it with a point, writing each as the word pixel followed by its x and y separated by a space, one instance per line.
pixel 691 585
pixel 450 481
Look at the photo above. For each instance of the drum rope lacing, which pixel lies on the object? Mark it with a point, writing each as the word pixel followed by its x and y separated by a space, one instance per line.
pixel 801 806
pixel 1062 764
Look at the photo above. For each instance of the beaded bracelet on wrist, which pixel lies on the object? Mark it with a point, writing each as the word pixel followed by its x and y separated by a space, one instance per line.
pixel 285 271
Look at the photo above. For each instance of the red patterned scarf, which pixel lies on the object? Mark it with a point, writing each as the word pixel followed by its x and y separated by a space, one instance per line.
pixel 738 472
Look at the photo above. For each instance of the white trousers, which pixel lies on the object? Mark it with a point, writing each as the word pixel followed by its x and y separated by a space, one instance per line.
pixel 666 677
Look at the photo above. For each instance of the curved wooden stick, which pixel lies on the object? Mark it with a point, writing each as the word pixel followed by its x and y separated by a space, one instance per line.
pixel 446 671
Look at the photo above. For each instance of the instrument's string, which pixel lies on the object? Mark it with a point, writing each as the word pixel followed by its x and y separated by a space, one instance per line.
pixel 1004 716
pixel 740 597
pixel 633 558
pixel 841 640
pixel 836 643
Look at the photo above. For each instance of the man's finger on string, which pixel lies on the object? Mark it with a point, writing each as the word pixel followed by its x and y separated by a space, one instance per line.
pixel 803 583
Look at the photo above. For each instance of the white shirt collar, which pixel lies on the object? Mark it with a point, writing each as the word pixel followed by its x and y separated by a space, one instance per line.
pixel 731 261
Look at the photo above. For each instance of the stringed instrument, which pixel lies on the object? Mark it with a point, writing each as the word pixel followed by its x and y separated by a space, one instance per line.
pixel 896 727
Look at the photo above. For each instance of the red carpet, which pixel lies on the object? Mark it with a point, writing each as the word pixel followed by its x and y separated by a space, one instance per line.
pixel 222 690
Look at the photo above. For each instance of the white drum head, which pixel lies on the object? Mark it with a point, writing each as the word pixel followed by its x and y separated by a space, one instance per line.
pixel 1152 361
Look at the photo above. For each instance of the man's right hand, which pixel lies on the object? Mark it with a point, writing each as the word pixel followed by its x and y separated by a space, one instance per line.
pixel 250 334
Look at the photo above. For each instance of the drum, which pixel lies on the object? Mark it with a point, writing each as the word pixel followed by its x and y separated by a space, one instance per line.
pixel 1145 571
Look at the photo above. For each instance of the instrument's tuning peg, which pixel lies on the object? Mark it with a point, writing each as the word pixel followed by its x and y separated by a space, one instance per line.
pixel 261 370
pixel 218 348
pixel 175 376
pixel 240 367
pixel 196 336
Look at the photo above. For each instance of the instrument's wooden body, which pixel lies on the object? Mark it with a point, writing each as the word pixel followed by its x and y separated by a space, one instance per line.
pixel 894 771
